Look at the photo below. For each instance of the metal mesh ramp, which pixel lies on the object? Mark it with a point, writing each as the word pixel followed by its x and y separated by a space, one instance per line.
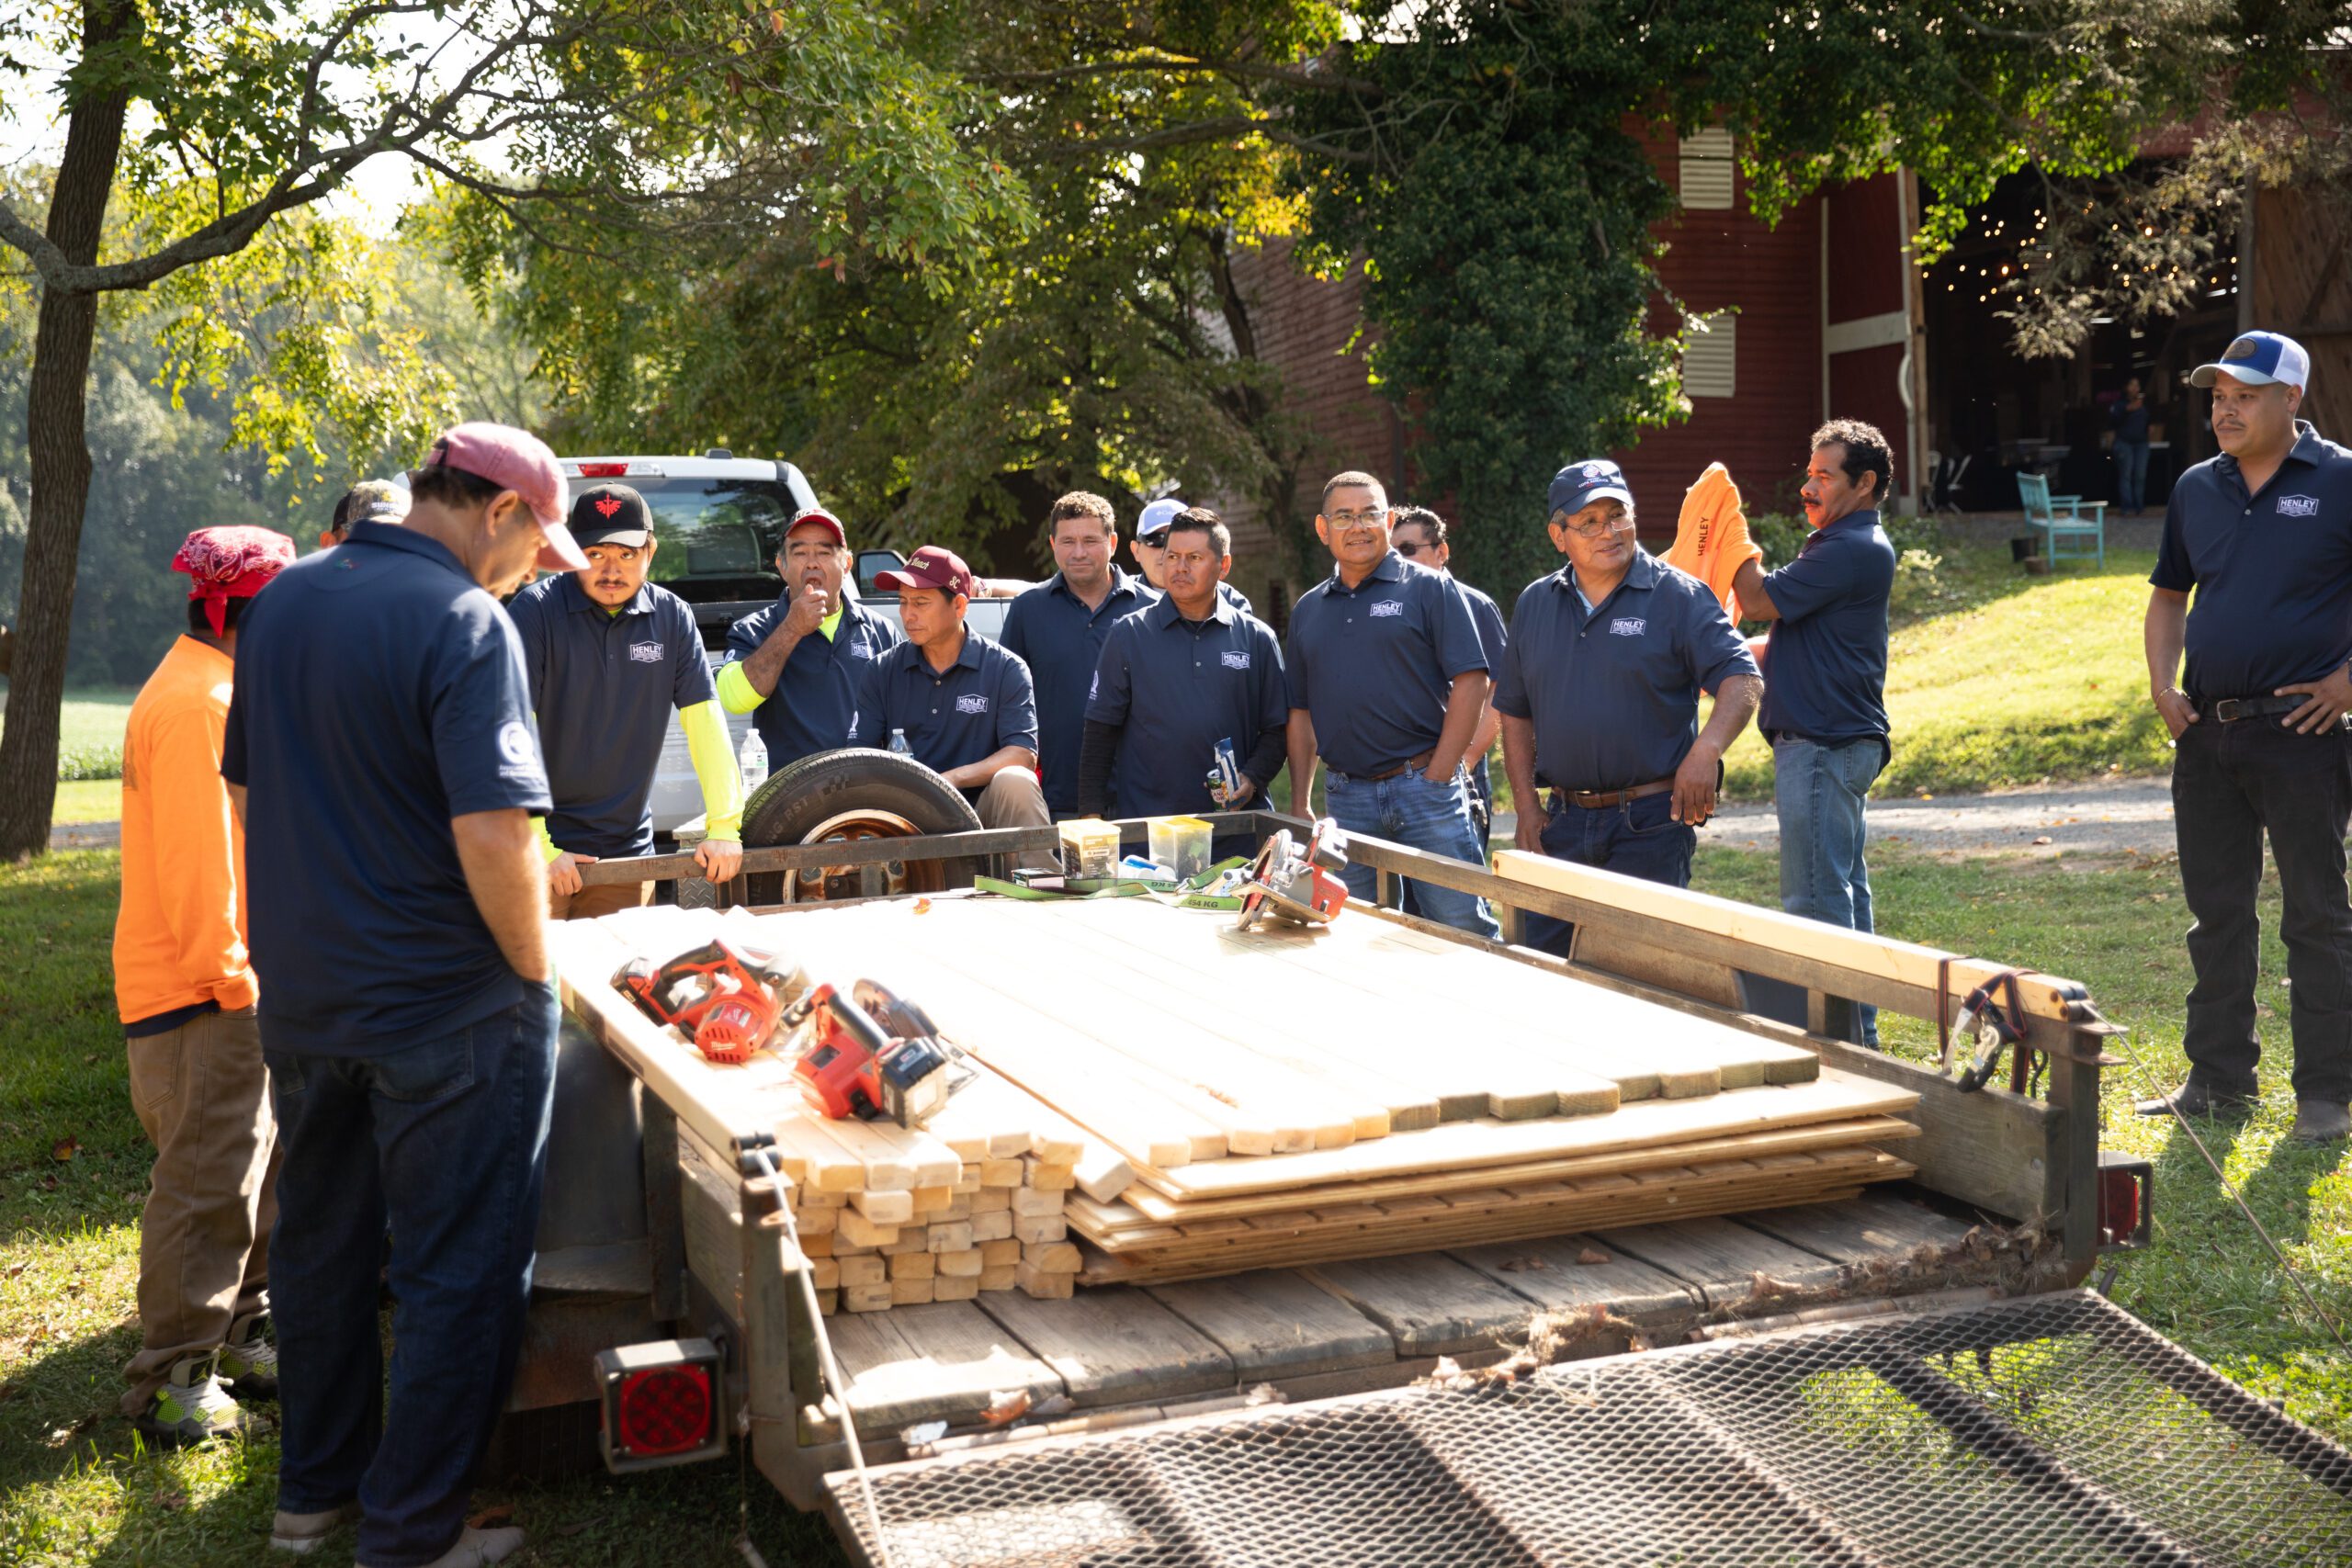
pixel 2048 1431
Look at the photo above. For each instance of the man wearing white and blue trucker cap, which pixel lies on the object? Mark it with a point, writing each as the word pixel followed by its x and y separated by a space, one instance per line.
pixel 2263 533
pixel 1150 549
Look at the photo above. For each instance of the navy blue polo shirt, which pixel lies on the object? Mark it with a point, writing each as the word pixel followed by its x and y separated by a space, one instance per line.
pixel 1827 657
pixel 379 693
pixel 2272 570
pixel 976 707
pixel 603 686
pixel 1493 639
pixel 1613 690
pixel 1050 629
pixel 1179 687
pixel 816 693
pixel 1373 665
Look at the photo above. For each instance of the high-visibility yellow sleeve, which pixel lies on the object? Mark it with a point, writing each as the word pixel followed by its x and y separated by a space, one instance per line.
pixel 714 760
pixel 549 849
pixel 736 694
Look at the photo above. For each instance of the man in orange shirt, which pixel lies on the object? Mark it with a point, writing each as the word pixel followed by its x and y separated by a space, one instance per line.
pixel 186 992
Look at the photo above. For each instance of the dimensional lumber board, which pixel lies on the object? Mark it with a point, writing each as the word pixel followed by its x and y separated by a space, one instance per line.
pixel 1051 1061
pixel 1109 1347
pixel 1549 1272
pixel 1278 1325
pixel 1721 1258
pixel 1261 1009
pixel 1141 1206
pixel 1835 1097
pixel 943 1363
pixel 1267 1107
pixel 1429 1304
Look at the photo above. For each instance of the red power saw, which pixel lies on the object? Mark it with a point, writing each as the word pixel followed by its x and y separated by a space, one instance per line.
pixel 726 1000
pixel 1298 885
pixel 871 1056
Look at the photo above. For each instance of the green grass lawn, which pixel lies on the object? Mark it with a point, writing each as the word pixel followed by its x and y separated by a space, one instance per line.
pixel 76 1489
pixel 90 727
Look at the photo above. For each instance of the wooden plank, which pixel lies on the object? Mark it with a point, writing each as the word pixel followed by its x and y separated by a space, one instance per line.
pixel 1114 1347
pixel 1277 1324
pixel 1837 1097
pixel 943 1363
pixel 1719 1258
pixel 1871 1228
pixel 1429 1304
pixel 1548 1272
pixel 2002 1152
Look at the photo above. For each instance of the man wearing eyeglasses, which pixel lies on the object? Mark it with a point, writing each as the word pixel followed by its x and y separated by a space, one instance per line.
pixel 1388 680
pixel 1599 693
pixel 1420 535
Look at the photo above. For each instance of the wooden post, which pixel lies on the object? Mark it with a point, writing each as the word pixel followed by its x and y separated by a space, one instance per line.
pixel 664 1209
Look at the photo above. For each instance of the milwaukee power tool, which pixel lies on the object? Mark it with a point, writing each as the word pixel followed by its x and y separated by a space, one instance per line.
pixel 1298 885
pixel 725 999
pixel 870 1056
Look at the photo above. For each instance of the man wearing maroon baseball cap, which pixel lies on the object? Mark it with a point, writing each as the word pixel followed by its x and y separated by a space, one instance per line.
pixel 380 751
pixel 962 706
pixel 794 666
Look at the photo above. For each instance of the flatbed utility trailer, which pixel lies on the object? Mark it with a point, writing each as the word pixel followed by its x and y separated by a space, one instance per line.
pixel 1913 1376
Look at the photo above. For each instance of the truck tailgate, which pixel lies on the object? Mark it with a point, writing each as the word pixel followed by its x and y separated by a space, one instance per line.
pixel 2050 1430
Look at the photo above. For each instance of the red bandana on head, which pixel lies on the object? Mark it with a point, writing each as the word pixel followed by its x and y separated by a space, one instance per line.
pixel 231 563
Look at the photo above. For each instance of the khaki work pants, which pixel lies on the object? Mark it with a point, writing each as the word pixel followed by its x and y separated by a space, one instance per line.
pixel 591 902
pixel 1012 799
pixel 203 1095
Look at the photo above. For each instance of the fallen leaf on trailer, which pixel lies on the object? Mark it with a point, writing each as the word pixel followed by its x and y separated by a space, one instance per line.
pixel 1522 1265
pixel 1054 1404
pixel 922 905
pixel 1006 1404
pixel 923 1433
pixel 1265 1393
pixel 1592 1255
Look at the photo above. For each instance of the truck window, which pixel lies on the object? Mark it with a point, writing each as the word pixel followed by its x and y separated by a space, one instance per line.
pixel 714 528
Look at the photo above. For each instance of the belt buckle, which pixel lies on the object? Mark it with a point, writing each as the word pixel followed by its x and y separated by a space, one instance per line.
pixel 2226 710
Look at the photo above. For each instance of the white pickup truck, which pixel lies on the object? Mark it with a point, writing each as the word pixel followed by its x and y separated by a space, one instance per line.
pixel 719 519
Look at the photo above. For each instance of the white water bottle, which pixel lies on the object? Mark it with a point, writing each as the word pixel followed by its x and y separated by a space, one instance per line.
pixel 899 743
pixel 752 760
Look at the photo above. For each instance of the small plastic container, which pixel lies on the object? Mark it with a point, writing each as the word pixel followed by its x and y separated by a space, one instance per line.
pixel 1090 848
pixel 1180 843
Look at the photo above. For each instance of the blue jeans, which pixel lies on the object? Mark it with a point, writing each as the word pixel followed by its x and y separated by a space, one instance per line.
pixel 443 1143
pixel 1820 793
pixel 2130 476
pixel 1637 838
pixel 1408 809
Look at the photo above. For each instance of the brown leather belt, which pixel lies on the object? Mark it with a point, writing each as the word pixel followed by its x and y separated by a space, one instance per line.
pixel 1594 799
pixel 1409 765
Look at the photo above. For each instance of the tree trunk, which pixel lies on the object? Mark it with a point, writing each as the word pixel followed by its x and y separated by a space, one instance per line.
pixel 61 457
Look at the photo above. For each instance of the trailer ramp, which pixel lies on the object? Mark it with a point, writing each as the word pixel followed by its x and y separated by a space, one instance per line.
pixel 2051 1430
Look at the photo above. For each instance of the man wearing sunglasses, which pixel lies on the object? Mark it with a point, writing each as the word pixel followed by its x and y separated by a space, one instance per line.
pixel 1599 693
pixel 1420 535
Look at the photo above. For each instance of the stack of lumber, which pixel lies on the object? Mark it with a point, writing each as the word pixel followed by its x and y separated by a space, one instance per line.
pixel 887 1217
pixel 1281 1097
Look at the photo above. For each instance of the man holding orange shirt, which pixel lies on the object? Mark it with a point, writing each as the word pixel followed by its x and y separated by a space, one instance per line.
pixel 184 988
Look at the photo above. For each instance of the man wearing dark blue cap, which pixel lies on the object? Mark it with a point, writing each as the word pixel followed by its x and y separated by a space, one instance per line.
pixel 1598 693
pixel 2263 533
pixel 1825 698
pixel 1388 680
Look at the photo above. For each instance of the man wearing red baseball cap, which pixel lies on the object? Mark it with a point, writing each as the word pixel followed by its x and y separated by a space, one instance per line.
pixel 964 707
pixel 380 750
pixel 796 665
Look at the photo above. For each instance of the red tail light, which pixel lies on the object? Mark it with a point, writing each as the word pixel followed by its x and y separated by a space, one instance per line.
pixel 2124 1199
pixel 664 1404
pixel 602 470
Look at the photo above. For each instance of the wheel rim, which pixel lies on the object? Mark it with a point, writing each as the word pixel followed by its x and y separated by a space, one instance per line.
pixel 834 882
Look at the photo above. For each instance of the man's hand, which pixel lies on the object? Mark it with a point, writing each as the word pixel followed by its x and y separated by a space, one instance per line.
pixel 564 872
pixel 1694 785
pixel 2178 712
pixel 1529 833
pixel 807 611
pixel 1241 793
pixel 2330 697
pixel 720 859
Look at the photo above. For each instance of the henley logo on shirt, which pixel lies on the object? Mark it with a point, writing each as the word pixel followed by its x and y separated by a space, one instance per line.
pixel 514 743
pixel 861 650
pixel 1232 660
pixel 645 652
pixel 1388 607
pixel 1628 626
pixel 972 702
pixel 2298 506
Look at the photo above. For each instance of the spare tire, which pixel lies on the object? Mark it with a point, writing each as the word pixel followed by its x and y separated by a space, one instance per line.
pixel 852 795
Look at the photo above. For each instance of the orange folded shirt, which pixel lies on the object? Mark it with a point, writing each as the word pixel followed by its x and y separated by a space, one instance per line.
pixel 180 937
pixel 1711 538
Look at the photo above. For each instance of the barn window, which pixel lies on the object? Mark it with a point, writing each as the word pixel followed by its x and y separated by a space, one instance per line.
pixel 1710 355
pixel 1707 169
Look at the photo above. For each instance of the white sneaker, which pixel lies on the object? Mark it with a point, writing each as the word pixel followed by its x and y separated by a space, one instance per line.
pixel 193 1406
pixel 249 1361
pixel 305 1533
pixel 479 1548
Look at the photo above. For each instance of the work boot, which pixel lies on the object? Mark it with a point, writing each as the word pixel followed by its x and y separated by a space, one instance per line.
pixel 2194 1099
pixel 478 1549
pixel 305 1533
pixel 249 1361
pixel 2321 1121
pixel 194 1406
